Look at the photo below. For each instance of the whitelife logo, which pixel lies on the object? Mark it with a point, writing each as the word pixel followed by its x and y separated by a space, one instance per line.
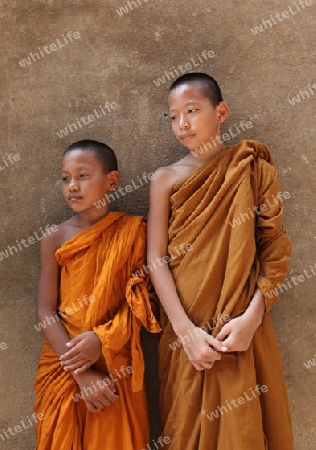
pixel 291 11
pixel 303 94
pixel 155 445
pixel 186 67
pixel 86 120
pixel 47 50
pixel 9 160
pixel 23 425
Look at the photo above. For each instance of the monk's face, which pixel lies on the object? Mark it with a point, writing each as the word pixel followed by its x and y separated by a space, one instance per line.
pixel 194 119
pixel 84 183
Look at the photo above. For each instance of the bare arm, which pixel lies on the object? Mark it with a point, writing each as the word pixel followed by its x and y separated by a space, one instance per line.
pixel 55 333
pixel 199 351
pixel 157 238
pixel 47 296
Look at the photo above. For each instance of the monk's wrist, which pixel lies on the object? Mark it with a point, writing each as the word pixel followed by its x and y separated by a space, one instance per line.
pixel 79 376
pixel 255 311
pixel 183 328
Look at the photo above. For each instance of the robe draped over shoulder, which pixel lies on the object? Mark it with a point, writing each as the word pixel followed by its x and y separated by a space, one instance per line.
pixel 100 290
pixel 229 210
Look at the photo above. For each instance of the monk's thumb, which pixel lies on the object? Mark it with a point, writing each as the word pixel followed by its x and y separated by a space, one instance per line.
pixel 223 333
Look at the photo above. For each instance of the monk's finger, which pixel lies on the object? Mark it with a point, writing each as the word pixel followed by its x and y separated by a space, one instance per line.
pixel 197 366
pixel 208 365
pixel 102 402
pixel 83 368
pixel 98 404
pixel 78 365
pixel 225 331
pixel 219 348
pixel 106 402
pixel 73 342
pixel 74 360
pixel 72 366
pixel 227 344
pixel 215 344
pixel 70 354
pixel 111 395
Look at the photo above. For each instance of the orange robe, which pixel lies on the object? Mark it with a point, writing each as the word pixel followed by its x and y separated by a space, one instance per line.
pixel 220 408
pixel 99 262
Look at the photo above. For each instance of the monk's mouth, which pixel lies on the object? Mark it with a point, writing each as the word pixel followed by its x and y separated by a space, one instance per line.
pixel 186 137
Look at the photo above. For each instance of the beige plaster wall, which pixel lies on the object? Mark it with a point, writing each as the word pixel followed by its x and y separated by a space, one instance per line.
pixel 116 59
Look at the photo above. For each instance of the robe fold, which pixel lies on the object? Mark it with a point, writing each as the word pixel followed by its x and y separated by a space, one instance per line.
pixel 100 290
pixel 229 210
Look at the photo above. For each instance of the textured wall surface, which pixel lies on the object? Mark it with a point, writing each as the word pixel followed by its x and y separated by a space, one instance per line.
pixel 114 74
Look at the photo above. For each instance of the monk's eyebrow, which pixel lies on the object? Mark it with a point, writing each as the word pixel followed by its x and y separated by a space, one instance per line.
pixel 191 102
pixel 86 167
pixel 79 168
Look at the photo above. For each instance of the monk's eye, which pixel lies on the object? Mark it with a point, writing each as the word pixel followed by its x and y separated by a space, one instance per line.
pixel 172 117
pixel 65 179
pixel 192 110
pixel 84 175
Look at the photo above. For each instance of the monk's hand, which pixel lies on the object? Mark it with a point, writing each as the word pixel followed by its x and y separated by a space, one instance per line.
pixel 200 348
pixel 236 335
pixel 97 389
pixel 85 350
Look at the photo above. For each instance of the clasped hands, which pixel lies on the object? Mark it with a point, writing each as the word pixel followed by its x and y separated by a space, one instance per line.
pixel 203 350
pixel 85 350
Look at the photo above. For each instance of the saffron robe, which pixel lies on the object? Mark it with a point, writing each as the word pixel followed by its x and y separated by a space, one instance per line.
pixel 219 408
pixel 101 262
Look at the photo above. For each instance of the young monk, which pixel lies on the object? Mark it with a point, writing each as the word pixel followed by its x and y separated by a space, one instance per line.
pixel 93 303
pixel 224 387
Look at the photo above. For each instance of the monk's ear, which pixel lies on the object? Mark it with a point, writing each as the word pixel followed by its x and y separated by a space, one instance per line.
pixel 222 111
pixel 114 177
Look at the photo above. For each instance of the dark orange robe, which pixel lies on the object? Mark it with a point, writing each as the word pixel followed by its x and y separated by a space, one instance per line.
pixel 220 408
pixel 99 263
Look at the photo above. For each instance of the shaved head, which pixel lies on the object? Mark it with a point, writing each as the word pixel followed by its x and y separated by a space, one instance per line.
pixel 101 151
pixel 207 84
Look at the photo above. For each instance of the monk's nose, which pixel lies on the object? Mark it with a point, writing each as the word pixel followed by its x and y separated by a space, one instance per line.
pixel 73 186
pixel 184 123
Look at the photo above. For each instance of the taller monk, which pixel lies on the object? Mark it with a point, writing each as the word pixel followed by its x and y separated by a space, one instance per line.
pixel 91 305
pixel 222 381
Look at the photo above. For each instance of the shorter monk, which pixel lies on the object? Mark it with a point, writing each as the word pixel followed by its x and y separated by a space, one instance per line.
pixel 91 304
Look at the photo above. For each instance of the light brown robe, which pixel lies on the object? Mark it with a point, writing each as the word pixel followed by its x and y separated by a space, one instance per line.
pixel 216 278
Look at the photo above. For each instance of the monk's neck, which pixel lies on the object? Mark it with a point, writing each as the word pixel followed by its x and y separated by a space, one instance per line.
pixel 84 221
pixel 205 153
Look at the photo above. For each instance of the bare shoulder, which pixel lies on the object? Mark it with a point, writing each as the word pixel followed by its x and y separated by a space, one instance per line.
pixel 56 235
pixel 166 177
